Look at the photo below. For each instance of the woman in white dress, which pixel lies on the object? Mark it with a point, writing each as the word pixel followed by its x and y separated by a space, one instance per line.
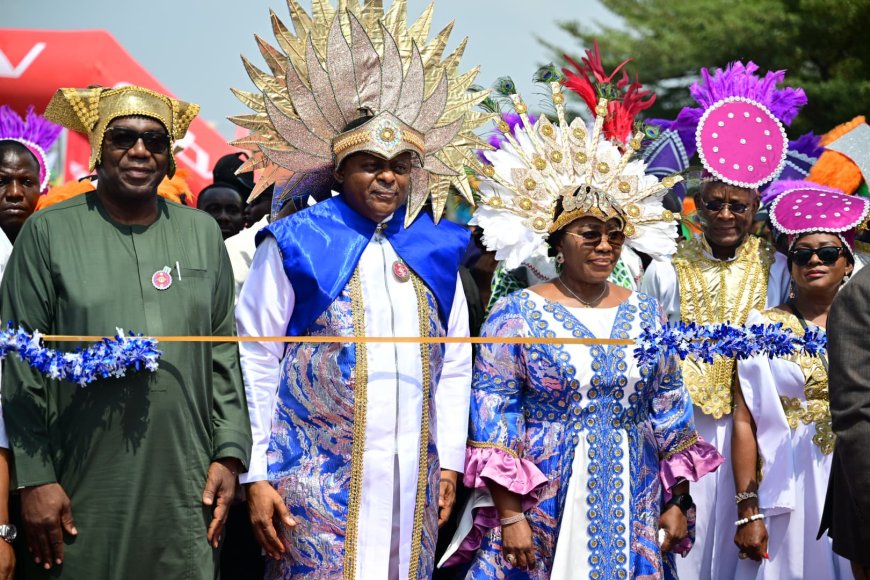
pixel 782 440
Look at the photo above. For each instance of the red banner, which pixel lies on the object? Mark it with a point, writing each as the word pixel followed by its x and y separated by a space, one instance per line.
pixel 35 63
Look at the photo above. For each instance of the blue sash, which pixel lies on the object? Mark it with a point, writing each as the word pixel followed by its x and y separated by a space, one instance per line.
pixel 322 245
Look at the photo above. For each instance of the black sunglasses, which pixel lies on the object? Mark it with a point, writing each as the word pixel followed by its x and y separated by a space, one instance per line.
pixel 155 142
pixel 715 206
pixel 593 237
pixel 827 254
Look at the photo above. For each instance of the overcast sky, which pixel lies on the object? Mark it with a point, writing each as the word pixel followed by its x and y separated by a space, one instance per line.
pixel 193 46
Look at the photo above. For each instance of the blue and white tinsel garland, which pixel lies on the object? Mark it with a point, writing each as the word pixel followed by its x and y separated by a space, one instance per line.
pixel 706 341
pixel 111 357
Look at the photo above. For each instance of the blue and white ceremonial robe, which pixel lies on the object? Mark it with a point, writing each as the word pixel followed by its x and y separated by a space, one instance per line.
pixel 353 436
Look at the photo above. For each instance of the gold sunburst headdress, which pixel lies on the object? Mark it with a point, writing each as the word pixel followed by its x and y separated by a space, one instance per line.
pixel 545 162
pixel 341 64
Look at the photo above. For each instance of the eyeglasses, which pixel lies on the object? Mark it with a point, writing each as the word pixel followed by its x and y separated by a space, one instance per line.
pixel 827 254
pixel 715 206
pixel 593 237
pixel 155 142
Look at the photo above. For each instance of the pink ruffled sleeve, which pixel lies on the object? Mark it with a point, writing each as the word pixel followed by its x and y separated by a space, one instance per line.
pixel 498 466
pixel 688 464
pixel 505 469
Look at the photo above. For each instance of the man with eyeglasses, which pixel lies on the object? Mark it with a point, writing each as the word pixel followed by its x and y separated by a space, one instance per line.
pixel 127 478
pixel 737 127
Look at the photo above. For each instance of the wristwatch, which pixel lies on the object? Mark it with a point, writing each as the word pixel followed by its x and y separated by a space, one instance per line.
pixel 8 532
pixel 682 501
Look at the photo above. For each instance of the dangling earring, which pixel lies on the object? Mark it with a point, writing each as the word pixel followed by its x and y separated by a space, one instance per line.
pixel 845 279
pixel 791 294
pixel 560 258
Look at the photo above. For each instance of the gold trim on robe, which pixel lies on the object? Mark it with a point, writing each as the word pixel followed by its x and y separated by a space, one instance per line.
pixel 359 429
pixel 360 403
pixel 712 292
pixel 816 407
pixel 422 473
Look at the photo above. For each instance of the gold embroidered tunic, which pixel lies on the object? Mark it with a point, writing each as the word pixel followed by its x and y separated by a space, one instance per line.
pixel 813 407
pixel 788 400
pixel 714 291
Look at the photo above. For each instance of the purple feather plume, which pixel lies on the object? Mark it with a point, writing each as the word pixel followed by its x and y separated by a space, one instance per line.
pixel 808 144
pixel 34 128
pixel 777 188
pixel 513 120
pixel 684 126
pixel 739 80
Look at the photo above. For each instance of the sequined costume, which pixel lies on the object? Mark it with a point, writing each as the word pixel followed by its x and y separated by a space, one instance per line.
pixel 590 442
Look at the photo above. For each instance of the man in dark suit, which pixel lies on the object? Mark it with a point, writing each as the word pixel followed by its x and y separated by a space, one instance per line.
pixel 847 507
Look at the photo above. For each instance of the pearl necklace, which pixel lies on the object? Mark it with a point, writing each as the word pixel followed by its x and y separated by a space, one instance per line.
pixel 588 304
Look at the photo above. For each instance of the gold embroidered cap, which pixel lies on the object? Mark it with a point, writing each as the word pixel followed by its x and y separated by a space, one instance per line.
pixel 91 110
pixel 385 136
pixel 342 64
pixel 544 162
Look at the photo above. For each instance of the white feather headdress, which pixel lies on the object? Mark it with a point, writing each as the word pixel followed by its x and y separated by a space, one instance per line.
pixel 545 162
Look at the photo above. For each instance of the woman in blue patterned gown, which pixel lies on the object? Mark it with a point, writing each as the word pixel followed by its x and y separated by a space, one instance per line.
pixel 596 453
pixel 579 461
pixel 589 447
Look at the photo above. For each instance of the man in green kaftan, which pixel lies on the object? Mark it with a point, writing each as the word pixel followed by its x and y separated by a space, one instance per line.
pixel 127 478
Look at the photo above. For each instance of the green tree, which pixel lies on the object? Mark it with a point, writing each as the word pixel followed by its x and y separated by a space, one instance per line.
pixel 824 45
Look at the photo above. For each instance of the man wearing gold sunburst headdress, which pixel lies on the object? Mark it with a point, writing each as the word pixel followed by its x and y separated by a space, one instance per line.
pixel 357 446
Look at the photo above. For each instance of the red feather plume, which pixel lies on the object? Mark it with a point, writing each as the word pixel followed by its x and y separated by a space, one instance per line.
pixel 626 99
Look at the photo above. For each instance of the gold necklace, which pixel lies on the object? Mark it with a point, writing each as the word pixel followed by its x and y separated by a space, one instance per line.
pixel 580 300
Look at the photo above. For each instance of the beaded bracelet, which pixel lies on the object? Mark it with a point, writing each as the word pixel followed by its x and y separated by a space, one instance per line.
pixel 513 519
pixel 751 518
pixel 744 495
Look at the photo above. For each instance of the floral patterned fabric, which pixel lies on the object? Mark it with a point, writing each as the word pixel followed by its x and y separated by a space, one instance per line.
pixel 539 404
pixel 310 452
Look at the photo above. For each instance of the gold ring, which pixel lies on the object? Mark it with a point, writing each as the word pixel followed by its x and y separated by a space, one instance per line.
pixel 742 555
pixel 512 560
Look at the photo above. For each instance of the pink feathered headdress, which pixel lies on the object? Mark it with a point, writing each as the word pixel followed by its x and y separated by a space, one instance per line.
pixel 738 127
